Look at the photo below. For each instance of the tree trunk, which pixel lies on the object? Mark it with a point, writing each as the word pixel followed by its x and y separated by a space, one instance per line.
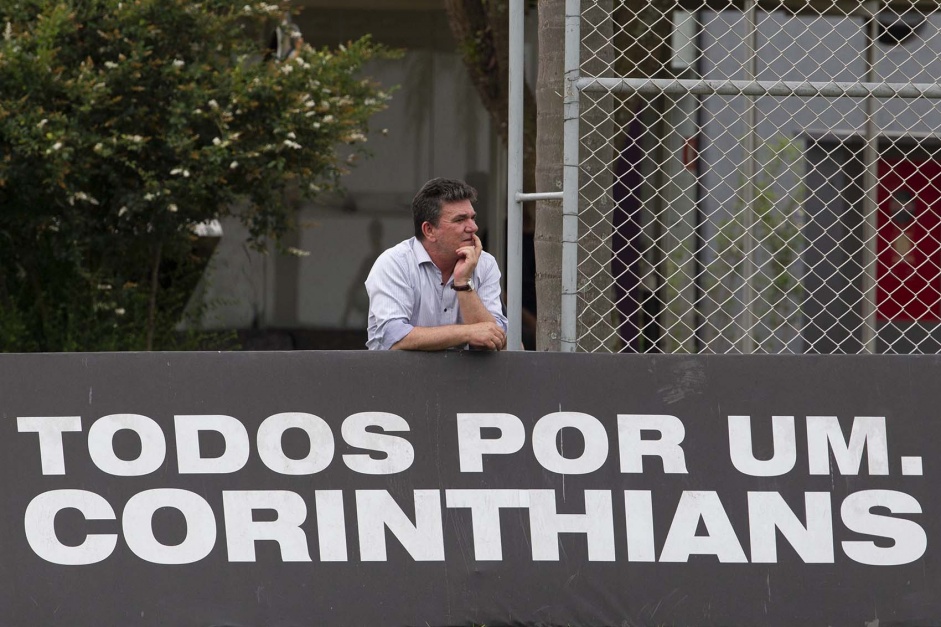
pixel 548 238
pixel 595 179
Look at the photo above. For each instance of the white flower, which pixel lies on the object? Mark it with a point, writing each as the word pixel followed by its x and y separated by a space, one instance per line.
pixel 104 287
pixel 287 69
pixel 327 119
pixel 122 211
pixel 119 311
pixel 136 138
pixel 176 171
pixel 8 31
pixel 42 123
pixel 216 141
pixel 172 208
pixel 290 144
pixel 110 65
pixel 213 104
pixel 99 147
pixel 179 63
pixel 233 165
pixel 297 252
pixel 57 145
pixel 291 135
pixel 148 196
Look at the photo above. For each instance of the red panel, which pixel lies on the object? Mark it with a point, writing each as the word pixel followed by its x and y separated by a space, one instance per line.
pixel 908 251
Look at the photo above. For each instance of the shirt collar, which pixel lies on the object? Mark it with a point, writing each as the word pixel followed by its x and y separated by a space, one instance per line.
pixel 421 255
pixel 424 259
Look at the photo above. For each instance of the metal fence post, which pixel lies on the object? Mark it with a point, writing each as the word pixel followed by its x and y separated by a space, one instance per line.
pixel 570 169
pixel 871 185
pixel 514 241
pixel 750 144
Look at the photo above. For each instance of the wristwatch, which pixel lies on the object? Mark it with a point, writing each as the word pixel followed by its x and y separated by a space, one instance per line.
pixel 469 287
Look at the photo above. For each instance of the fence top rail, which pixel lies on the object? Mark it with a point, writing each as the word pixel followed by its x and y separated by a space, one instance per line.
pixel 758 88
pixel 815 7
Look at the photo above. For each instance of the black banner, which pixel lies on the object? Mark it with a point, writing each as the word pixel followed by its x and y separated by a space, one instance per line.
pixel 460 488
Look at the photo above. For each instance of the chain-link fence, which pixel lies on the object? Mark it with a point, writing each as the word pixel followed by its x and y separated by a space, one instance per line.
pixel 759 178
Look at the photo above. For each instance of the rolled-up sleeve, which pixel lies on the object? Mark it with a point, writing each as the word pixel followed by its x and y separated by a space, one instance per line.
pixel 390 303
pixel 488 278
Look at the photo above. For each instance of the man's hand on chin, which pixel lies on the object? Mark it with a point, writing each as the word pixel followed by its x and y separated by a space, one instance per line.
pixel 467 258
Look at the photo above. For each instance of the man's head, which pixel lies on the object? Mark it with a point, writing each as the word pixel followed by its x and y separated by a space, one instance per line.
pixel 427 204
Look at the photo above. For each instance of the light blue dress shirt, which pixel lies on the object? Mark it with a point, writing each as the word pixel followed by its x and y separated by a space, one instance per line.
pixel 405 292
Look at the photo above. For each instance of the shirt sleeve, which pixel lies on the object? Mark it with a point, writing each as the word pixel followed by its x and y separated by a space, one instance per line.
pixel 390 303
pixel 489 289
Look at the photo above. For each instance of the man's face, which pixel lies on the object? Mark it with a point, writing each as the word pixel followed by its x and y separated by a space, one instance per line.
pixel 456 227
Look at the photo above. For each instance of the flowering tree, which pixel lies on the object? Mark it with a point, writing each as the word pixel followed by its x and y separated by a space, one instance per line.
pixel 125 123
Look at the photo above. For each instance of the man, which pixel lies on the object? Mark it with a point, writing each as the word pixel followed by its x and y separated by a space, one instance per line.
pixel 439 289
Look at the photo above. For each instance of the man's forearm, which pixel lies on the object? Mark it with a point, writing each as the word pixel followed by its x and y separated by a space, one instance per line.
pixel 479 335
pixel 472 308
pixel 433 338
